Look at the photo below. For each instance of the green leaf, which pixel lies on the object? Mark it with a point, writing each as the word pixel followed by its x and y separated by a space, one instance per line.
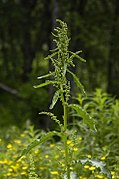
pixel 55 98
pixel 98 164
pixel 77 56
pixel 45 84
pixel 37 142
pixel 82 113
pixel 78 83
pixel 45 76
pixel 50 56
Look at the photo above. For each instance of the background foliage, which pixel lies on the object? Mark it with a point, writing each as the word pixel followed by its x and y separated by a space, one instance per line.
pixel 25 38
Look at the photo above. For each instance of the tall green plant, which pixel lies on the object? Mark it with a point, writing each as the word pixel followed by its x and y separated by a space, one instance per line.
pixel 62 60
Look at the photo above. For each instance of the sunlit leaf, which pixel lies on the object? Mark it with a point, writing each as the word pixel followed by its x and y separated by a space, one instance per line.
pixel 55 98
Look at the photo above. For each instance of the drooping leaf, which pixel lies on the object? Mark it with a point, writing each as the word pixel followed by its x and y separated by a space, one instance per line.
pixel 78 83
pixel 45 84
pixel 77 56
pixel 98 164
pixel 45 76
pixel 86 117
pixel 37 142
pixel 55 98
pixel 53 117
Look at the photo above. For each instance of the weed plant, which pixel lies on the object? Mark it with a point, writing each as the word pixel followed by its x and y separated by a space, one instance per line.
pixel 62 60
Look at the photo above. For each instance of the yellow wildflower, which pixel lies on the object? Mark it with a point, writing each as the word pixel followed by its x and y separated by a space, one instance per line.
pixel 86 166
pixel 36 151
pixel 99 176
pixel 15 167
pixel 92 168
pixel 23 173
pixel 80 138
pixel 89 156
pixel 8 174
pixel 46 156
pixel 9 146
pixel 54 172
pixel 63 164
pixel 17 141
pixel 69 142
pixel 10 169
pixel 112 172
pixel 22 135
pixel 1 161
pixel 52 145
pixel 103 158
pixel 5 161
pixel 24 167
pixel 71 168
pixel 75 149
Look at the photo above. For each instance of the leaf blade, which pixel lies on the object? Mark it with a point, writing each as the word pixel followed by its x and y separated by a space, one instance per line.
pixel 82 113
pixel 37 142
pixel 45 84
pixel 55 99
pixel 78 83
pixel 45 76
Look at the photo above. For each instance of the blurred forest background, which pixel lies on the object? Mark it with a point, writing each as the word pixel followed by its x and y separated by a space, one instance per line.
pixel 25 39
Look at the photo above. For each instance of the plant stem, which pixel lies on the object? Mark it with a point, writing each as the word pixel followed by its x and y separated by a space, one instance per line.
pixel 65 142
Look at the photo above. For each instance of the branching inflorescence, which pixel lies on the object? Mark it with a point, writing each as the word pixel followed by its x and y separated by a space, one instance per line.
pixel 62 60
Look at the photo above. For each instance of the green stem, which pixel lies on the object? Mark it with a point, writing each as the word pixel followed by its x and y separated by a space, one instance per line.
pixel 65 142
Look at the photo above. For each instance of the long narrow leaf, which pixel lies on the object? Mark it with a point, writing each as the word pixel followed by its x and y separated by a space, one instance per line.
pixel 55 99
pixel 45 84
pixel 82 113
pixel 45 76
pixel 37 142
pixel 78 83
